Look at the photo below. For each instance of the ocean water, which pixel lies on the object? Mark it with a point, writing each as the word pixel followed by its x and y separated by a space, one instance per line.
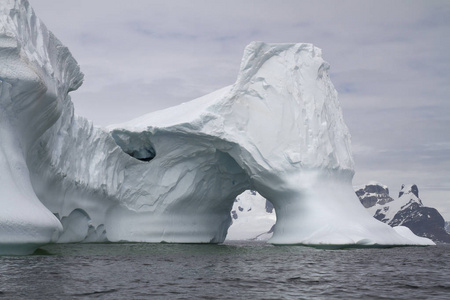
pixel 234 270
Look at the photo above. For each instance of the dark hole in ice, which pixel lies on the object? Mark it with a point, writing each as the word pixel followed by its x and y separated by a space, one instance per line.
pixel 143 154
pixel 135 144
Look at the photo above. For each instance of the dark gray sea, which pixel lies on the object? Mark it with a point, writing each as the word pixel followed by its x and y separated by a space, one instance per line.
pixel 235 270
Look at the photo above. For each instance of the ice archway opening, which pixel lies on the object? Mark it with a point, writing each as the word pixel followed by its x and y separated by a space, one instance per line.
pixel 253 218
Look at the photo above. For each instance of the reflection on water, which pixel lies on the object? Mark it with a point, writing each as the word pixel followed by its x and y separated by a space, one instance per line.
pixel 237 270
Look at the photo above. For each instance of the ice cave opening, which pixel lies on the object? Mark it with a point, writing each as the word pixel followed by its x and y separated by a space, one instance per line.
pixel 137 145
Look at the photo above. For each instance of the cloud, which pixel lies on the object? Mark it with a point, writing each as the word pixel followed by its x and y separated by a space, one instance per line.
pixel 142 96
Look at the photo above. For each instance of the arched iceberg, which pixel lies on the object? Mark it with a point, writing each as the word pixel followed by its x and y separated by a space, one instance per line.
pixel 173 175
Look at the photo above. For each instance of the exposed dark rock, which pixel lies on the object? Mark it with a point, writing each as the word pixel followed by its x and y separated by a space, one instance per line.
pixel 373 194
pixel 423 221
pixel 269 207
pixel 413 188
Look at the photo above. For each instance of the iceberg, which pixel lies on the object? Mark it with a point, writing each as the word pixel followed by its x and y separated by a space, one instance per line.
pixel 173 175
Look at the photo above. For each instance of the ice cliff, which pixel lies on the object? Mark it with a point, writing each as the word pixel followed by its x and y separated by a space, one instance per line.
pixel 36 74
pixel 173 175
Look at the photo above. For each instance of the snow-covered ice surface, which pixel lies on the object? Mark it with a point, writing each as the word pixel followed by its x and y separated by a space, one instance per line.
pixel 408 234
pixel 173 175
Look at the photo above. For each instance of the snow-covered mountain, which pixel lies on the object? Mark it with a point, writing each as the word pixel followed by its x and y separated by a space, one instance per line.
pixel 173 175
pixel 447 226
pixel 407 210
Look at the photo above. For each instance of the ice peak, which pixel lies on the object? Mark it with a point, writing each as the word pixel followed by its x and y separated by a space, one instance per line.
pixel 291 60
pixel 289 84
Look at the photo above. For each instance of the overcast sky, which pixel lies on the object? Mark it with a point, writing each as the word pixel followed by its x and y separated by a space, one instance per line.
pixel 390 64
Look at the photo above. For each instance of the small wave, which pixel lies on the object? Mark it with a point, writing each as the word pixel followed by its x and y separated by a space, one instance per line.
pixel 97 292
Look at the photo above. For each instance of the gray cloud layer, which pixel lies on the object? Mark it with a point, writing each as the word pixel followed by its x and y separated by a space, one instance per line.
pixel 390 65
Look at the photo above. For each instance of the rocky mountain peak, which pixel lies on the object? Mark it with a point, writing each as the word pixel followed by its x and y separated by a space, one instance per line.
pixel 410 188
pixel 372 194
pixel 407 210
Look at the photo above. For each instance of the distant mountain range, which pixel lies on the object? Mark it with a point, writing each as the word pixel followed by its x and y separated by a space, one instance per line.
pixel 407 210
pixel 254 217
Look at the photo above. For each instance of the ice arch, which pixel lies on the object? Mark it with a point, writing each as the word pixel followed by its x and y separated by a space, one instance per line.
pixel 278 130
